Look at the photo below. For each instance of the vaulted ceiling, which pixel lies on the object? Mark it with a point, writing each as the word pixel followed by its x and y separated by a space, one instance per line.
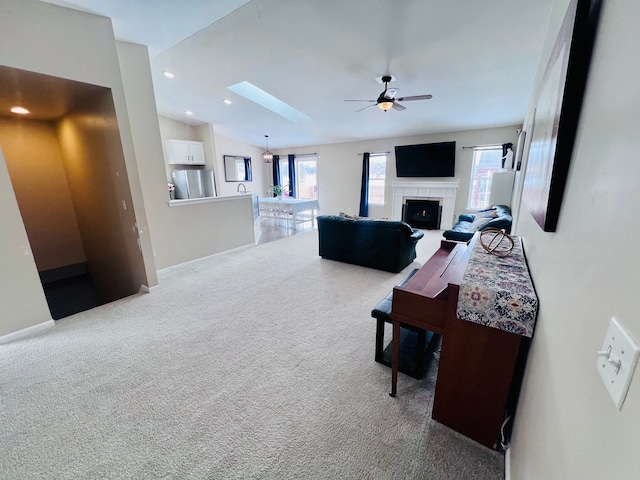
pixel 477 59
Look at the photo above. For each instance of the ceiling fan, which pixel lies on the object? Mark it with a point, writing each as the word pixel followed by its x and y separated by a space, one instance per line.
pixel 387 99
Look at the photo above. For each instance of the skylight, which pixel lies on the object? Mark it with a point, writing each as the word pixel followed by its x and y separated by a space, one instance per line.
pixel 268 101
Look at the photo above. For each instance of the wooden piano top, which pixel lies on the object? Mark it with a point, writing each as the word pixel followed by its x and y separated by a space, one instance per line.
pixel 422 300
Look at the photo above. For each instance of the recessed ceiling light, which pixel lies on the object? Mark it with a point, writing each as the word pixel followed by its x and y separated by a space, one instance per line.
pixel 20 110
pixel 168 74
pixel 188 112
pixel 227 101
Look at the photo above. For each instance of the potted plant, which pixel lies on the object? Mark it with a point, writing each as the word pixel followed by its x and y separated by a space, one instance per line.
pixel 276 190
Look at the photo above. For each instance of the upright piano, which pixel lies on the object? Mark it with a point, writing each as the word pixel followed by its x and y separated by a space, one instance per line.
pixel 480 367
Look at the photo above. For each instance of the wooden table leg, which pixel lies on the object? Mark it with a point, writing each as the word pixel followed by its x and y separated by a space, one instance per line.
pixel 395 357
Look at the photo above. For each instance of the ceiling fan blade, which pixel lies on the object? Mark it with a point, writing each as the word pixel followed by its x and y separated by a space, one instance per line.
pixel 360 100
pixel 415 97
pixel 390 92
pixel 368 106
pixel 397 106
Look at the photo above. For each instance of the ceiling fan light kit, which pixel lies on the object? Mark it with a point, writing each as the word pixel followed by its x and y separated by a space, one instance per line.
pixel 386 100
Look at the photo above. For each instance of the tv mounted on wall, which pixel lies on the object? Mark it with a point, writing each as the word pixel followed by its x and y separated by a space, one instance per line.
pixel 426 160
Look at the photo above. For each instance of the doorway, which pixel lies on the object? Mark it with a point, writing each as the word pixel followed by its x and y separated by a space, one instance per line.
pixel 306 170
pixel 66 166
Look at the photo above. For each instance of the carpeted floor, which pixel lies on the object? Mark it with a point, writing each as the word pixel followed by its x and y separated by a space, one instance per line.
pixel 255 363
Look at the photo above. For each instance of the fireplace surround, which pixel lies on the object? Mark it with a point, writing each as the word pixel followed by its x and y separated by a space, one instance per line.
pixel 444 192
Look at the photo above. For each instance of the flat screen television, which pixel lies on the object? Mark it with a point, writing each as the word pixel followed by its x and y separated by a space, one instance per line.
pixel 426 160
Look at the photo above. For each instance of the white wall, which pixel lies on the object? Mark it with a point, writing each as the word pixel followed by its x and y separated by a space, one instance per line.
pixel 566 425
pixel 340 167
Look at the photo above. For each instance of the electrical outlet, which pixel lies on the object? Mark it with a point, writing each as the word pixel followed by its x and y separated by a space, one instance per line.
pixel 617 361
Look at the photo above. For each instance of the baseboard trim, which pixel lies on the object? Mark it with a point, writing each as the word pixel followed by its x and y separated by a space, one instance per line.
pixel 507 464
pixel 145 289
pixel 241 247
pixel 26 332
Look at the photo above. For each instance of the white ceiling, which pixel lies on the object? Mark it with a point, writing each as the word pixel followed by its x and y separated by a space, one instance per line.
pixel 477 59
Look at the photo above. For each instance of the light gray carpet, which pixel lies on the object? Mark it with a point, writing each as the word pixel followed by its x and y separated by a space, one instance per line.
pixel 255 363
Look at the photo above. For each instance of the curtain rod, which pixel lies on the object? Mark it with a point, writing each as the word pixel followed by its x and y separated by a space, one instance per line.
pixel 376 153
pixel 485 146
pixel 297 154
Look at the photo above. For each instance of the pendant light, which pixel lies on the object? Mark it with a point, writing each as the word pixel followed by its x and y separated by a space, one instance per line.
pixel 267 156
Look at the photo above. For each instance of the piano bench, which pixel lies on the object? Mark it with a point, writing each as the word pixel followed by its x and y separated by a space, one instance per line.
pixel 412 353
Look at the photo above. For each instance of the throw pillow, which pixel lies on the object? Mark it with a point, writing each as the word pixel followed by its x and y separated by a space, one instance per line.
pixel 487 213
pixel 478 223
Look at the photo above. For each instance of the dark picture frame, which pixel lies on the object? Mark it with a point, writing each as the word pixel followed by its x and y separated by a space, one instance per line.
pixel 557 111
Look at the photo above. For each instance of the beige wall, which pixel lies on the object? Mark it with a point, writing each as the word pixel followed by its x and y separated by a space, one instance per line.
pixel 94 162
pixel 178 234
pixel 21 296
pixel 184 233
pixel 216 146
pixel 587 271
pixel 145 134
pixel 193 231
pixel 229 146
pixel 39 180
pixel 174 129
pixel 340 167
pixel 36 37
pixel 198 230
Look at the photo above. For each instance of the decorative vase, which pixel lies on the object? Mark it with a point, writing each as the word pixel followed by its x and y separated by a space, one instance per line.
pixel 279 197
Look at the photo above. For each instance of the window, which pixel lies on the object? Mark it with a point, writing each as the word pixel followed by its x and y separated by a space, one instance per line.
pixel 377 174
pixel 486 160
pixel 284 171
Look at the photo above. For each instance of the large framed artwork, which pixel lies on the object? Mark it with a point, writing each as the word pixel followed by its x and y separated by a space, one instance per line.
pixel 556 114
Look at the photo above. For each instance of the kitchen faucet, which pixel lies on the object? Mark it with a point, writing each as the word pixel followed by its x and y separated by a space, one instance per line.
pixel 243 187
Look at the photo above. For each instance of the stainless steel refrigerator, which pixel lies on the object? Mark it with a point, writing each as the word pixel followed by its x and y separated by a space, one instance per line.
pixel 193 183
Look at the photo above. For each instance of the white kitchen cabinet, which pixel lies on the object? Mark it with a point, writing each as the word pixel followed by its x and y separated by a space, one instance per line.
pixel 184 152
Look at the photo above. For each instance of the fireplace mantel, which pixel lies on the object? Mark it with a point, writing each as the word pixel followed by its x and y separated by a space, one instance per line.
pixel 445 191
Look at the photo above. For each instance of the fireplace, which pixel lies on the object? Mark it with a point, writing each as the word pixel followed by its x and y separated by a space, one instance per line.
pixel 444 192
pixel 425 214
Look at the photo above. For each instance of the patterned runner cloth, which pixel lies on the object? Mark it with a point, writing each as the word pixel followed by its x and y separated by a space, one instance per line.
pixel 498 291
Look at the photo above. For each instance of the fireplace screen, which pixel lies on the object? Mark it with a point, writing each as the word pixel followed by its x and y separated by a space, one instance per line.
pixel 424 214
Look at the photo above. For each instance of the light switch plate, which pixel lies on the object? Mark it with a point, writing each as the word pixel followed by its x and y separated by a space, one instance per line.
pixel 617 361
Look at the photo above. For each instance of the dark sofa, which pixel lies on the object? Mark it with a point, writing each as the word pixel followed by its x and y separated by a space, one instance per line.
pixel 381 244
pixel 465 227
